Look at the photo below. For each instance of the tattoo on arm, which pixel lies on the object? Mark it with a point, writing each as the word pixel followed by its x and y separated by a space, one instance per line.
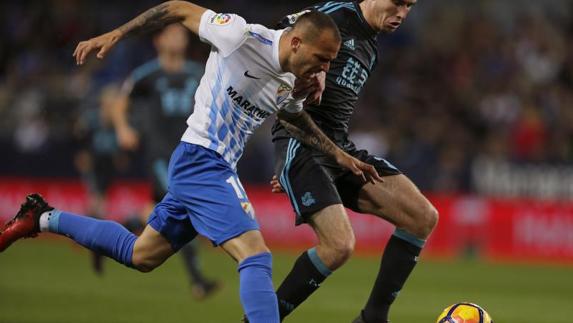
pixel 151 19
pixel 302 127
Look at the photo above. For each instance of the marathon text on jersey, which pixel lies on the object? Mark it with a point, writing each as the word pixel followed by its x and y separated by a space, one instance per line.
pixel 249 108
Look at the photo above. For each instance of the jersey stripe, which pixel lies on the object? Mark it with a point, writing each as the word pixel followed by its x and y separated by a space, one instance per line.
pixel 213 112
pixel 327 5
pixel 260 38
pixel 340 6
pixel 293 146
pixel 332 6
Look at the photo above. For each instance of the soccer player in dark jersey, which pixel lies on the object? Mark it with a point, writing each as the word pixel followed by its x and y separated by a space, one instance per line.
pixel 160 93
pixel 319 190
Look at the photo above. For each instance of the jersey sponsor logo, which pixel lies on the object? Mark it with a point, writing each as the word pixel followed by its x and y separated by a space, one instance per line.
pixel 307 199
pixel 353 75
pixel 283 92
pixel 350 44
pixel 294 17
pixel 251 76
pixel 221 19
pixel 248 107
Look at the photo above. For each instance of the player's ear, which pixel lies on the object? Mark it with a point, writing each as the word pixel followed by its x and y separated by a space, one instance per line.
pixel 295 43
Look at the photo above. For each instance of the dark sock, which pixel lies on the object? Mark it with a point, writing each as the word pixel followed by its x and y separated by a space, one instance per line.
pixel 189 255
pixel 305 277
pixel 400 257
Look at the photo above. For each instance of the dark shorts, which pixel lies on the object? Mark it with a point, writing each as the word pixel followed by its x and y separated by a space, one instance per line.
pixel 314 181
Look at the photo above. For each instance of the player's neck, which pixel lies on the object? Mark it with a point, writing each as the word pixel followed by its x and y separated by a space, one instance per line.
pixel 368 15
pixel 171 63
pixel 284 51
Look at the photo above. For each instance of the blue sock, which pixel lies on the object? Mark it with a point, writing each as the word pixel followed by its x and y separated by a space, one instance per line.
pixel 257 293
pixel 104 237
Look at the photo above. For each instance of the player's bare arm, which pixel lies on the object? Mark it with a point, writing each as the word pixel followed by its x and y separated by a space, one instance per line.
pixel 127 136
pixel 301 126
pixel 161 15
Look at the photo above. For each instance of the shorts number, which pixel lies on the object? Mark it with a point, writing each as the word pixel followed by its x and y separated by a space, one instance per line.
pixel 239 190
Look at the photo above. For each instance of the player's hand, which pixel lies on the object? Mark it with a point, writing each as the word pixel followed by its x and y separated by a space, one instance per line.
pixel 359 168
pixel 276 186
pixel 127 138
pixel 102 44
pixel 316 96
pixel 304 87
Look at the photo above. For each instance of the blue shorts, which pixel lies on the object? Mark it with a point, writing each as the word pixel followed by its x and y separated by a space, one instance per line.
pixel 204 196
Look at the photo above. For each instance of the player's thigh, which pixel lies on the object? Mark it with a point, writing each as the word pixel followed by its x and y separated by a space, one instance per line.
pixel 170 218
pixel 400 202
pixel 307 183
pixel 151 249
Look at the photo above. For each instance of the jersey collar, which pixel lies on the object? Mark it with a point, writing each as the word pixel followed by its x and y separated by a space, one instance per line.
pixel 367 28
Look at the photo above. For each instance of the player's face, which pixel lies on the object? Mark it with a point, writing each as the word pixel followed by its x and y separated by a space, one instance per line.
pixel 172 39
pixel 388 15
pixel 311 57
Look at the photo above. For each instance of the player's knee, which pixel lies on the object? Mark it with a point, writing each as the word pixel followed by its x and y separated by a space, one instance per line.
pixel 339 251
pixel 426 221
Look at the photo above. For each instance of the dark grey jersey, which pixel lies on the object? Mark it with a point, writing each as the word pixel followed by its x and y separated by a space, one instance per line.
pixel 348 72
pixel 161 102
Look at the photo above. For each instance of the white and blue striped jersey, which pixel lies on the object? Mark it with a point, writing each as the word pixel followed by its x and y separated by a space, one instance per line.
pixel 243 84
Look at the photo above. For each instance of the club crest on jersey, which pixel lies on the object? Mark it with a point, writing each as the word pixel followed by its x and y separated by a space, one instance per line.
pixel 283 93
pixel 248 208
pixel 220 19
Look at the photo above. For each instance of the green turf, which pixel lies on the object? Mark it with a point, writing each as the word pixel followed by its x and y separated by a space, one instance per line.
pixel 51 281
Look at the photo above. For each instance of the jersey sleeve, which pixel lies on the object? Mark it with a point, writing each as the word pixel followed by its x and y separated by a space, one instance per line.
pixel 224 31
pixel 292 105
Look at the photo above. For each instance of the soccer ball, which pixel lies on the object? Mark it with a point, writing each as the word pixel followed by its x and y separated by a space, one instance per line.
pixel 464 313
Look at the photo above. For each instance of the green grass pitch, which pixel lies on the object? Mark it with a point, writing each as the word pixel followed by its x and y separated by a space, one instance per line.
pixel 51 281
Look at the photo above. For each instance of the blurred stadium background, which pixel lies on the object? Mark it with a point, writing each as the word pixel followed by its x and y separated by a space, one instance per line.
pixel 472 99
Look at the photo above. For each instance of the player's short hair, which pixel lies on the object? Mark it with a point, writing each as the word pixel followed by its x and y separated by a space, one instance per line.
pixel 314 22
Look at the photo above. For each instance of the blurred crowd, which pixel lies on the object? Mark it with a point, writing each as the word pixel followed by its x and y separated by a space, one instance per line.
pixel 459 85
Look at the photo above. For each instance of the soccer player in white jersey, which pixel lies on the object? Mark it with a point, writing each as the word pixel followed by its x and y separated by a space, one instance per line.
pixel 251 73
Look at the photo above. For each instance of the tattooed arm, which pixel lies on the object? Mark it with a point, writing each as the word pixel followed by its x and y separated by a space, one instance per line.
pixel 301 126
pixel 166 13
